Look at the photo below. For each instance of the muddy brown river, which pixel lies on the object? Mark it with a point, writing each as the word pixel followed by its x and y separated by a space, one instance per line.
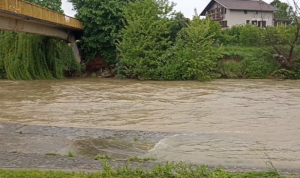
pixel 228 122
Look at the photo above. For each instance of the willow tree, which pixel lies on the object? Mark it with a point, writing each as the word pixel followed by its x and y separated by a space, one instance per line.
pixel 29 57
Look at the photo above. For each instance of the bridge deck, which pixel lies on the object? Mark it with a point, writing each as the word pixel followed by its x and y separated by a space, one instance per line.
pixel 29 10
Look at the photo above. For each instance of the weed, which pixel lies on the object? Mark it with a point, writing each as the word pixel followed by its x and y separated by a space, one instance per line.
pixel 102 157
pixel 70 154
pixel 168 170
pixel 137 159
pixel 52 154
pixel 149 159
pixel 136 139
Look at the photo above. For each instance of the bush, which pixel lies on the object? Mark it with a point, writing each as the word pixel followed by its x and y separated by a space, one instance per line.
pixel 194 57
pixel 243 35
pixel 102 20
pixel 145 38
pixel 246 62
pixel 283 74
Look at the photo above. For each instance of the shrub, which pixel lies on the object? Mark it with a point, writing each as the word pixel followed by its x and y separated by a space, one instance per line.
pixel 194 56
pixel 145 38
pixel 246 62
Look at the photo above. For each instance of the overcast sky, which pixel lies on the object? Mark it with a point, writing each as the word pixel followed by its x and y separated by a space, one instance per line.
pixel 185 6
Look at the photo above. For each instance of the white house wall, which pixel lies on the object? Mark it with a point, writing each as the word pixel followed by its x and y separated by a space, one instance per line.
pixel 238 17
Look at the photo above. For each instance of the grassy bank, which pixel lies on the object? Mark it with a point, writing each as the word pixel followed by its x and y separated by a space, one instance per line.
pixel 246 63
pixel 166 171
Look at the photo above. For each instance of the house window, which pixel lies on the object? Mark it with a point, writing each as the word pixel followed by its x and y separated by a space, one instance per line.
pixel 223 23
pixel 254 22
pixel 259 23
pixel 247 21
pixel 225 10
pixel 262 24
pixel 245 12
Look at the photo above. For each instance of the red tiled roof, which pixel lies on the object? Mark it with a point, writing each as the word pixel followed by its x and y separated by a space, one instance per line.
pixel 242 5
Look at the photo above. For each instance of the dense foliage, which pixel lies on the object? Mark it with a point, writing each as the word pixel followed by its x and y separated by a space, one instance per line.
pixel 147 40
pixel 246 62
pixel 194 55
pixel 54 5
pixel 102 19
pixel 284 9
pixel 147 51
pixel 169 170
pixel 29 57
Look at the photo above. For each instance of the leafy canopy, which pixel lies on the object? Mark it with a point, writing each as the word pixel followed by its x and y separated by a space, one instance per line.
pixel 54 5
pixel 102 20
pixel 145 38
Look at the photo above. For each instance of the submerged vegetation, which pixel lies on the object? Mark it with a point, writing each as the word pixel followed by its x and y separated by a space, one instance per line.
pixel 169 170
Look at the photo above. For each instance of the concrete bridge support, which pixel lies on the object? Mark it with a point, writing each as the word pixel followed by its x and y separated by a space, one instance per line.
pixel 74 47
pixel 28 26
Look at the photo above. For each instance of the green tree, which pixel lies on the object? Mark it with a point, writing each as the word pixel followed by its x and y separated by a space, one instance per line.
pixel 195 54
pixel 54 5
pixel 178 22
pixel 27 57
pixel 285 11
pixel 145 38
pixel 285 41
pixel 102 20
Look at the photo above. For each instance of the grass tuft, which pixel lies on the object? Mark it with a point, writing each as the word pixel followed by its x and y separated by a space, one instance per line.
pixel 70 154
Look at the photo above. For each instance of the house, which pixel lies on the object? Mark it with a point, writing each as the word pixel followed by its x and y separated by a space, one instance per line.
pixel 238 12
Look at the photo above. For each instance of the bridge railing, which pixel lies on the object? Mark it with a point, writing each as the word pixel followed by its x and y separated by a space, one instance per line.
pixel 38 12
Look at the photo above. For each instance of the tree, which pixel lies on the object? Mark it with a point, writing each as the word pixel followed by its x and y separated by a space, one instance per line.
pixel 285 11
pixel 178 22
pixel 102 20
pixel 54 5
pixel 285 41
pixel 145 38
pixel 28 57
pixel 194 56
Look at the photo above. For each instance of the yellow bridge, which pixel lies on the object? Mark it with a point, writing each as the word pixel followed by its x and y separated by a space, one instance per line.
pixel 21 16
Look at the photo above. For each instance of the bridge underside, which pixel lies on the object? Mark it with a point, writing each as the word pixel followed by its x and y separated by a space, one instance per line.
pixel 12 22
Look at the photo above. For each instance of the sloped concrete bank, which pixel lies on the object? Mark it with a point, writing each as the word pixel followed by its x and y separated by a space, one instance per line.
pixel 48 148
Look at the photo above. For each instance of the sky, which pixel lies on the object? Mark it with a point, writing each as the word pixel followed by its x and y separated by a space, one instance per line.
pixel 185 6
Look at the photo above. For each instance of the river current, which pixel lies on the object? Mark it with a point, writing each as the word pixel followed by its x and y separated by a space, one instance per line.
pixel 228 122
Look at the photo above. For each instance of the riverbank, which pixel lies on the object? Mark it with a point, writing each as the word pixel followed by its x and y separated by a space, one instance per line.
pixel 83 149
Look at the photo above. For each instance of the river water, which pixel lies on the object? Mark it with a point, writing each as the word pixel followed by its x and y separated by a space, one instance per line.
pixel 228 122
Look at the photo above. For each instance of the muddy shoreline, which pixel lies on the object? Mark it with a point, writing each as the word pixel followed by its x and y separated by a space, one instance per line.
pixel 27 146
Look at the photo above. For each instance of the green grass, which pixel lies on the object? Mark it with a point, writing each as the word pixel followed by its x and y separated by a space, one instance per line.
pixel 168 170
pixel 102 157
pixel 52 154
pixel 70 154
pixel 137 159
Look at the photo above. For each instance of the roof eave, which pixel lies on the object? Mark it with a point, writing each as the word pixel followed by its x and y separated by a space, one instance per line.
pixel 254 10
pixel 209 4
